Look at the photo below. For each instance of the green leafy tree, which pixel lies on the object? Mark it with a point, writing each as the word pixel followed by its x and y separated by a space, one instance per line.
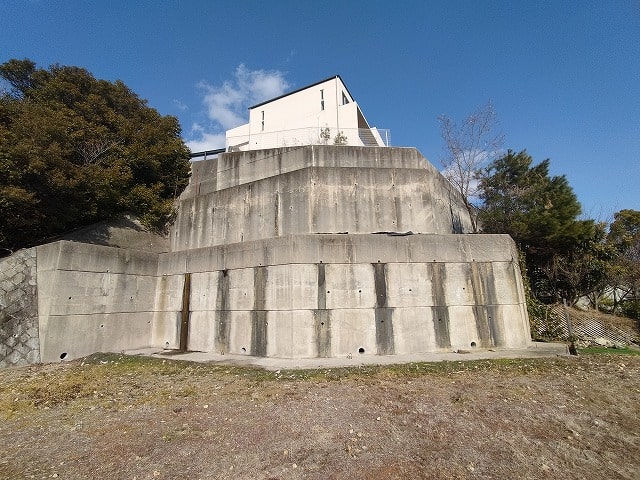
pixel 75 150
pixel 540 212
pixel 624 233
pixel 624 273
pixel 582 270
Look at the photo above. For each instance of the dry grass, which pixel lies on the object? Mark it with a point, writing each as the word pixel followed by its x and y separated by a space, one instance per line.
pixel 112 416
pixel 628 325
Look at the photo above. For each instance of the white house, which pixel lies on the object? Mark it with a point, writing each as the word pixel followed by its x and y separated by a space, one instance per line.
pixel 322 113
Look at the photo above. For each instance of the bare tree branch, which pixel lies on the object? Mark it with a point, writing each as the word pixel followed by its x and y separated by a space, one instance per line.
pixel 468 147
pixel 91 151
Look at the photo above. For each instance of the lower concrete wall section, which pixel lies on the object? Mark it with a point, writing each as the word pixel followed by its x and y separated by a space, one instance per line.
pixel 19 344
pixel 291 297
pixel 94 298
pixel 334 295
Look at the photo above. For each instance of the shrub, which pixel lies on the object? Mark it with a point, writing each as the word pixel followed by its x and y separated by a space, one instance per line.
pixel 631 309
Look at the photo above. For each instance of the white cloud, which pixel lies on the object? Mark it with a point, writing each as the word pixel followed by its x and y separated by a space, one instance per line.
pixel 223 104
pixel 206 141
pixel 227 104
pixel 180 105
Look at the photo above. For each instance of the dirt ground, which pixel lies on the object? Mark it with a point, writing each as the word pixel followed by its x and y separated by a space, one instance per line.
pixel 122 417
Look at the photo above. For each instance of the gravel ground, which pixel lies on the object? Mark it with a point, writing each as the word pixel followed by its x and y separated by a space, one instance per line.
pixel 129 417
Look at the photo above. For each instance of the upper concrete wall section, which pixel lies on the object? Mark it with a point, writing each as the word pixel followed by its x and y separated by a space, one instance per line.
pixel 266 194
pixel 239 168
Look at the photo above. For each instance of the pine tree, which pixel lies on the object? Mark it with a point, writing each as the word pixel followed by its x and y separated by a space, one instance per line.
pixel 540 212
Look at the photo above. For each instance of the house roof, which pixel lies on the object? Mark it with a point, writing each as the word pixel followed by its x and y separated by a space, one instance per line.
pixel 303 88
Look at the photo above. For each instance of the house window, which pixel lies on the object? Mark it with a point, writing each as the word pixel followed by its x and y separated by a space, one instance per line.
pixel 345 100
pixel 262 112
pixel 321 99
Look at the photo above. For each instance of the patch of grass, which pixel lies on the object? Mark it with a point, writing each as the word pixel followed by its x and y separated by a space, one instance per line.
pixel 44 390
pixel 135 364
pixel 416 369
pixel 608 351
pixel 103 380
pixel 148 366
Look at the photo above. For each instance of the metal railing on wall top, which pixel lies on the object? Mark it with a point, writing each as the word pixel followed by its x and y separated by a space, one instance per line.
pixel 368 137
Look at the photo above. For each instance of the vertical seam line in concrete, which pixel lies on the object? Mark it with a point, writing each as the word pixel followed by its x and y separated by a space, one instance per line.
pixel 184 317
pixel 322 284
pixel 259 314
pixel 383 315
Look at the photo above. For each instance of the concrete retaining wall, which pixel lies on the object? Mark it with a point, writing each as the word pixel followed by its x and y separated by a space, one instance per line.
pixel 257 195
pixel 239 168
pixel 259 311
pixel 332 295
pixel 298 296
pixel 274 255
pixel 94 298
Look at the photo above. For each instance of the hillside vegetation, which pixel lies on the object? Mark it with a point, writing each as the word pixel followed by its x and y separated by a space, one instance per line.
pixel 75 150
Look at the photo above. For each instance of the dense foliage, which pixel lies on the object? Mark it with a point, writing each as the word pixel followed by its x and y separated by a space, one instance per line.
pixel 624 270
pixel 563 256
pixel 75 150
pixel 540 212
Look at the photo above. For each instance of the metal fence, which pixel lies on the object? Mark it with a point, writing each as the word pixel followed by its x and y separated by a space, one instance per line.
pixel 561 324
pixel 367 137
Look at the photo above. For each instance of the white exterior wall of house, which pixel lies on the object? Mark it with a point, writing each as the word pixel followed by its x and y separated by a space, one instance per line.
pixel 299 118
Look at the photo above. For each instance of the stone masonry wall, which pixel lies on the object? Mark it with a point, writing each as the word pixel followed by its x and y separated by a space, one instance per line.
pixel 19 336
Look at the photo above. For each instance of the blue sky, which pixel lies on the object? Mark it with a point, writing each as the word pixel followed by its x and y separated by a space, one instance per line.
pixel 563 76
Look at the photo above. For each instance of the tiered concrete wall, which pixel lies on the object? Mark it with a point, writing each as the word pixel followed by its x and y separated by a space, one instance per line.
pixel 239 168
pixel 275 255
pixel 19 338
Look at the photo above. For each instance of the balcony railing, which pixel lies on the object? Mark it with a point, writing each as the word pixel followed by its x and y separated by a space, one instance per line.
pixel 197 156
pixel 367 137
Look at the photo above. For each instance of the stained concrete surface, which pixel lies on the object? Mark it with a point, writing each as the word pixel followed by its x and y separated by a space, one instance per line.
pixel 309 252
